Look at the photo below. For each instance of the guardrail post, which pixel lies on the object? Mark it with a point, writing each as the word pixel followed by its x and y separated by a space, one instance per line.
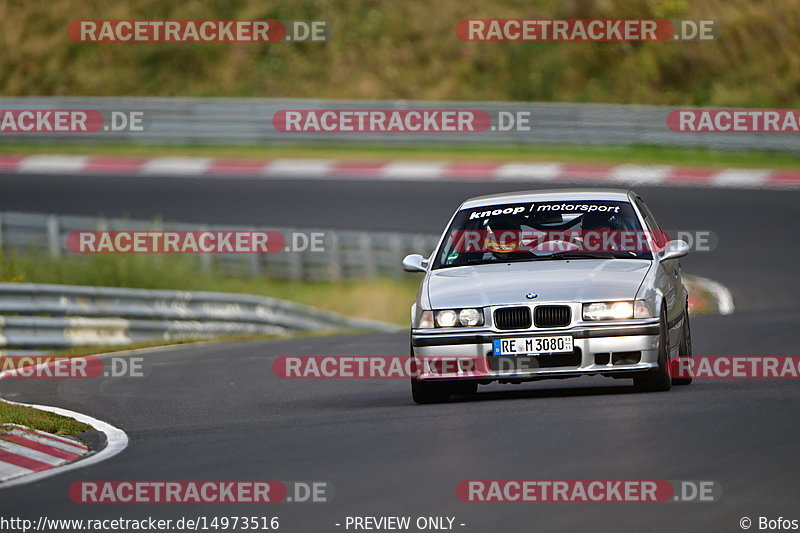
pixel 368 255
pixel 294 260
pixel 205 259
pixel 254 262
pixel 53 236
pixel 419 244
pixel 334 263
pixel 396 254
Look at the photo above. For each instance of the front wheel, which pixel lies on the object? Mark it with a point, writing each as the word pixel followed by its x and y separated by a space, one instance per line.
pixel 437 392
pixel 426 392
pixel 685 348
pixel 658 379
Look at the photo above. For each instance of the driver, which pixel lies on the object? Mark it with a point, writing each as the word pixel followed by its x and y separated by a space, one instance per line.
pixel 596 228
pixel 598 222
pixel 503 239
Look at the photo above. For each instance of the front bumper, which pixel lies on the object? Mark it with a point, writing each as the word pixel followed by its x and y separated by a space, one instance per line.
pixel 611 350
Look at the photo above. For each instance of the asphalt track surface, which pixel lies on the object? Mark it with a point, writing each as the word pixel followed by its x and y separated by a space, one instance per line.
pixel 217 411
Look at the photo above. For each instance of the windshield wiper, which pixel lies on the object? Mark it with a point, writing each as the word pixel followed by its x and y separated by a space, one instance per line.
pixel 468 262
pixel 592 255
pixel 497 261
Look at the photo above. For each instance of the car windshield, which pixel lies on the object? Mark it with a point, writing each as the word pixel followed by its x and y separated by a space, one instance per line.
pixel 537 231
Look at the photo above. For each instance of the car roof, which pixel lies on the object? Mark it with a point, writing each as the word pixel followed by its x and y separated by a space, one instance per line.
pixel 547 195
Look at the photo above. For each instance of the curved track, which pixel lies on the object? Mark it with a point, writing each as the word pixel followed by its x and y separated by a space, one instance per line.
pixel 217 411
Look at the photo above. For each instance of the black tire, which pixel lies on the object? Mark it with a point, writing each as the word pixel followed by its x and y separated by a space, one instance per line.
pixel 685 348
pixel 657 379
pixel 439 391
pixel 429 392
pixel 465 388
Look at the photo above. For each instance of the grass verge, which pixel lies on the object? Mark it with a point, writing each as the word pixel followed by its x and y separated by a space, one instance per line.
pixel 639 154
pixel 42 420
pixel 408 50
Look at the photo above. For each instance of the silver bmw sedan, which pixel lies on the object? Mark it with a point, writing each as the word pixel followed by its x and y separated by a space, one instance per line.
pixel 549 284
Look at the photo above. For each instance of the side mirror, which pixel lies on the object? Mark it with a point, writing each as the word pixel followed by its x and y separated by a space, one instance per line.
pixel 415 263
pixel 674 250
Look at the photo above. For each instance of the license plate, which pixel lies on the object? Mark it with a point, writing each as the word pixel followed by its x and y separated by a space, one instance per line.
pixel 533 345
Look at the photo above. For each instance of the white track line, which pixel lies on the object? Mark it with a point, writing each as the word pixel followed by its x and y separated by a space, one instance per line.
pixel 398 170
pixel 116 441
pixel 720 292
pixel 735 177
pixel 412 170
pixel 53 164
pixel 302 168
pixel 528 172
pixel 176 166
pixel 640 174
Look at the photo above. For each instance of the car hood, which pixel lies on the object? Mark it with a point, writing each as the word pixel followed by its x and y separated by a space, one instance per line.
pixel 553 281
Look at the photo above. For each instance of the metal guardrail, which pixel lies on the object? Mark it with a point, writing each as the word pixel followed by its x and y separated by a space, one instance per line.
pixel 232 121
pixel 346 255
pixel 35 318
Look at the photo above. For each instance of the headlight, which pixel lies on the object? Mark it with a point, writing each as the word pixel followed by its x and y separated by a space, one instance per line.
pixel 448 318
pixel 608 311
pixel 617 310
pixel 470 317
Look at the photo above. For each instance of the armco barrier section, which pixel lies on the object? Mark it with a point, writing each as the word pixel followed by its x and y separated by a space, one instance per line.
pixel 345 255
pixel 248 121
pixel 35 317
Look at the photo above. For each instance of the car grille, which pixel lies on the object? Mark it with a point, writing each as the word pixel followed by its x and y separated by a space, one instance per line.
pixel 552 316
pixel 512 318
